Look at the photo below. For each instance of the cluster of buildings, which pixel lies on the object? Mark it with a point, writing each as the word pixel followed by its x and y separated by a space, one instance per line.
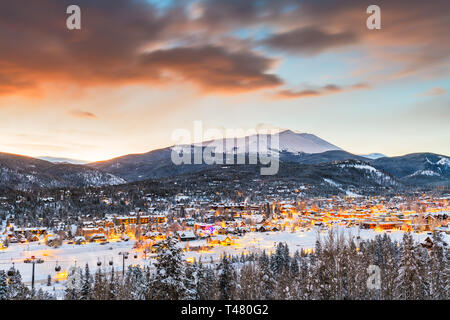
pixel 220 223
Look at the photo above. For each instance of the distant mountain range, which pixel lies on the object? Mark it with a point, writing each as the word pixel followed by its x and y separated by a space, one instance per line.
pixel 63 160
pixel 25 173
pixel 305 157
pixel 373 155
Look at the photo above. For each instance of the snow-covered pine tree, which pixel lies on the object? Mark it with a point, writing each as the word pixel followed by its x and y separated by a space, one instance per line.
pixel 169 276
pixel 16 289
pixel 389 270
pixel 136 283
pixel 42 295
pixel 266 275
pixel 280 260
pixel 437 269
pixel 303 290
pixel 423 262
pixel 226 281
pixel 294 265
pixel 3 286
pixel 72 290
pixel 362 260
pixel 100 288
pixel 200 288
pixel 86 289
pixel 324 271
pixel 343 272
pixel 190 280
pixel 408 279
pixel 249 282
pixel 209 286
pixel 113 286
pixel 447 272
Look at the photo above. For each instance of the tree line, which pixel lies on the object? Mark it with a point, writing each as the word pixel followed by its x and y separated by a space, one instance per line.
pixel 336 270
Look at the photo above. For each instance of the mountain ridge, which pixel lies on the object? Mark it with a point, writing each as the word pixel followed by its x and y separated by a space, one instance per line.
pixel 26 173
pixel 415 169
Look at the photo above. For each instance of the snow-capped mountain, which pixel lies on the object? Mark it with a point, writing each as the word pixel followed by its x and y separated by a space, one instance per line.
pixel 315 157
pixel 288 141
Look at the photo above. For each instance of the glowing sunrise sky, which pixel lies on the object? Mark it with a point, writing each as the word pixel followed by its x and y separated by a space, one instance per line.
pixel 138 70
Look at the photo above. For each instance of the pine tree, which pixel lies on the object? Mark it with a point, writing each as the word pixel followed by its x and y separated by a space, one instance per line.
pixel 447 273
pixel 389 270
pixel 267 277
pixel 190 280
pixel 323 271
pixel 303 290
pixel 3 286
pixel 249 283
pixel 72 291
pixel 86 289
pixel 294 267
pixel 101 287
pixel 168 281
pixel 437 269
pixel 16 289
pixel 409 278
pixel 225 272
pixel 280 261
pixel 113 286
pixel 200 289
pixel 136 283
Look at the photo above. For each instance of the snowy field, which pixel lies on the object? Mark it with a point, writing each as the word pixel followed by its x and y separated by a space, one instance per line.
pixel 78 255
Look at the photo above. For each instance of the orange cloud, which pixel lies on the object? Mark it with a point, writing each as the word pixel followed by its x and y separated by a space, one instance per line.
pixel 83 114
pixel 325 90
pixel 435 92
pixel 108 50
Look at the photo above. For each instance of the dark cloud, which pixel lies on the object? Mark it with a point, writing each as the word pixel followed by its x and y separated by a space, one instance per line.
pixel 310 40
pixel 234 14
pixel 125 42
pixel 413 37
pixel 214 68
pixel 116 45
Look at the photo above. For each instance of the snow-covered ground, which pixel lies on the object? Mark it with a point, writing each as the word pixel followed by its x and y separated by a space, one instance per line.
pixel 69 255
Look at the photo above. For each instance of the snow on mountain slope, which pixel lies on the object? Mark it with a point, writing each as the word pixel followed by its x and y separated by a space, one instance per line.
pixel 373 155
pixel 444 162
pixel 424 173
pixel 370 171
pixel 288 141
pixel 25 173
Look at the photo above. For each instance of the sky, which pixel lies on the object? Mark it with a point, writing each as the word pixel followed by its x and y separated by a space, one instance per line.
pixel 137 70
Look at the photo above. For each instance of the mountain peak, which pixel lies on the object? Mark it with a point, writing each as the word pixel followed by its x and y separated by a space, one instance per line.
pixel 294 142
pixel 289 141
